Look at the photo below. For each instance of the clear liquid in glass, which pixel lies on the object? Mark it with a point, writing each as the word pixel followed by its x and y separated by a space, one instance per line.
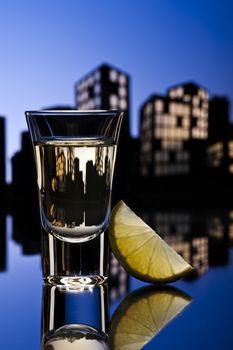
pixel 75 180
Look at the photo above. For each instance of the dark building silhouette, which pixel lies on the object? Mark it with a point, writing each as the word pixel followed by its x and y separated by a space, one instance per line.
pixel 186 148
pixel 107 87
pixel 2 162
pixel 3 246
pixel 59 108
pixel 26 221
pixel 25 205
pixel 218 228
pixel 219 152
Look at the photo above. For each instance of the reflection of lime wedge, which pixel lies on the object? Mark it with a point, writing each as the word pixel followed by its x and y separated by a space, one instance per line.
pixel 142 314
pixel 141 251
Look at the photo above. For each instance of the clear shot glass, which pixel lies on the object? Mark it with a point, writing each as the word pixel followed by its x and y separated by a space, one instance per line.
pixel 75 155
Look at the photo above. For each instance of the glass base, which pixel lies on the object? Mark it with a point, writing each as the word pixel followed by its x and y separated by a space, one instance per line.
pixel 75 265
pixel 75 282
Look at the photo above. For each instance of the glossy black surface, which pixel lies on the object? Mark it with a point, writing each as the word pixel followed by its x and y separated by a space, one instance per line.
pixel 206 238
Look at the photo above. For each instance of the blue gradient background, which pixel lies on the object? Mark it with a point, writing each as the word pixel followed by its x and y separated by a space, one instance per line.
pixel 47 45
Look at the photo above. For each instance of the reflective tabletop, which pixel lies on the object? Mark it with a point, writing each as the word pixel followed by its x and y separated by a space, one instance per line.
pixel 193 313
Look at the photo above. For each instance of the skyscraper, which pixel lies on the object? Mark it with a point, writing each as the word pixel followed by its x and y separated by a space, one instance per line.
pixel 174 130
pixel 107 87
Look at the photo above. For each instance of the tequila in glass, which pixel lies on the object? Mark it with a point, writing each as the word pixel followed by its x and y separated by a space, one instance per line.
pixel 75 155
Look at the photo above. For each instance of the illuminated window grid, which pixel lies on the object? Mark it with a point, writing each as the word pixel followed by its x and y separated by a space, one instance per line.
pixel 146 139
pixel 172 133
pixel 230 226
pixel 230 233
pixel 200 105
pixel 203 94
pixel 118 100
pixel 177 92
pixel 118 282
pixel 230 168
pixel 70 162
pixel 230 149
pixel 200 255
pixel 60 164
pixel 180 246
pixel 166 124
pixel 99 161
pixel 200 114
pixel 170 169
pixel 89 91
pixel 166 222
pixel 60 168
pixel 215 228
pixel 215 155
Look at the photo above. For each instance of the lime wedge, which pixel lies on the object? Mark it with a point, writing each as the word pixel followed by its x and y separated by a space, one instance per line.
pixel 141 251
pixel 142 314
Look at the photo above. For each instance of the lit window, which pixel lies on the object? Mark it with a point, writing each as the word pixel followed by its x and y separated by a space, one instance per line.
pixel 113 99
pixel 200 255
pixel 215 154
pixel 123 104
pixel 187 98
pixel 196 101
pixel 231 232
pixel 122 79
pixel 97 89
pixel 180 91
pixel 148 108
pixel 97 75
pixel 159 105
pixel 176 92
pixel 91 104
pixel 230 149
pixel 122 91
pixel 231 168
pixel 113 75
pixel 97 102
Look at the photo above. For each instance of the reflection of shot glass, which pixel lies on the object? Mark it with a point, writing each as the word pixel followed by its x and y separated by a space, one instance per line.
pixel 75 319
pixel 75 156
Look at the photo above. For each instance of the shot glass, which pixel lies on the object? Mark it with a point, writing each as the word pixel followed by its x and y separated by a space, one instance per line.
pixel 75 155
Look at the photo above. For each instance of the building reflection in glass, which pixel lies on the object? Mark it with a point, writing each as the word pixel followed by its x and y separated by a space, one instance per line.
pixel 74 181
pixel 79 317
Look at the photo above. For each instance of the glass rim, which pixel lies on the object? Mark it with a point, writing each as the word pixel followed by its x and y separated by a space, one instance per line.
pixel 60 112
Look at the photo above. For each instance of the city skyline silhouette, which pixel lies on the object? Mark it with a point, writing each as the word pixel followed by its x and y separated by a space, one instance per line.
pixel 197 138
